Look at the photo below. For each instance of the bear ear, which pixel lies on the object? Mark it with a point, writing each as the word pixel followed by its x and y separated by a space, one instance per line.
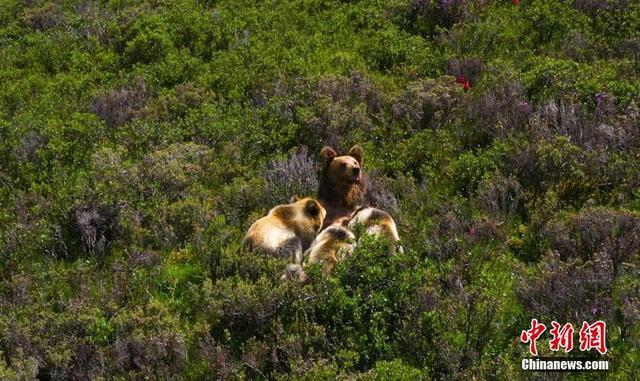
pixel 312 208
pixel 294 198
pixel 328 153
pixel 357 153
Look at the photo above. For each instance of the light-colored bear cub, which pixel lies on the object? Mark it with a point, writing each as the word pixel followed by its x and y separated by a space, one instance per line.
pixel 288 230
pixel 333 244
pixel 377 223
pixel 338 241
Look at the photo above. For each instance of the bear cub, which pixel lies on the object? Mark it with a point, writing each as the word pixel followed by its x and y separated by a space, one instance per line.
pixel 378 223
pixel 287 230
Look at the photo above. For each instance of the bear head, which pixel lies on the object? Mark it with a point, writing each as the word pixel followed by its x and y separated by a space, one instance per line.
pixel 310 209
pixel 343 170
pixel 342 178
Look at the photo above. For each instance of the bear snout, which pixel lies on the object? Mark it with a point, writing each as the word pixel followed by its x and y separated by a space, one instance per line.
pixel 355 175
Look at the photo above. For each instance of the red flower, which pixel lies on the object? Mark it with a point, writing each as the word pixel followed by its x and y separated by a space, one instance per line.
pixel 464 82
pixel 516 2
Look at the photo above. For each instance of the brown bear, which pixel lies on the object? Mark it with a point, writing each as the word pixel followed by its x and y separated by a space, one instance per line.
pixel 378 223
pixel 338 241
pixel 333 244
pixel 288 230
pixel 342 183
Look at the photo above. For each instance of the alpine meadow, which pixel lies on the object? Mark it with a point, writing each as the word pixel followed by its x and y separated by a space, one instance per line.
pixel 140 140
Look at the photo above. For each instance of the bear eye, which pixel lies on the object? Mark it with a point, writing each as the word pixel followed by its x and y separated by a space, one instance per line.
pixel 343 166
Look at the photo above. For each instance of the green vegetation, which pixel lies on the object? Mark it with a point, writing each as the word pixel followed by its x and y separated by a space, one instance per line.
pixel 140 139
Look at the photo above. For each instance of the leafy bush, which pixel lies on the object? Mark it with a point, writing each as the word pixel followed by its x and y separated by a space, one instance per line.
pixel 469 69
pixel 294 176
pixel 499 111
pixel 148 343
pixel 425 16
pixel 500 196
pixel 43 18
pixel 597 231
pixel 571 291
pixel 173 169
pixel 427 104
pixel 608 127
pixel 96 226
pixel 119 106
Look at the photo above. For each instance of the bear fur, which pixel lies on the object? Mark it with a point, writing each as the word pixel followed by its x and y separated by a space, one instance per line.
pixel 333 244
pixel 377 223
pixel 338 241
pixel 294 272
pixel 287 230
pixel 342 184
